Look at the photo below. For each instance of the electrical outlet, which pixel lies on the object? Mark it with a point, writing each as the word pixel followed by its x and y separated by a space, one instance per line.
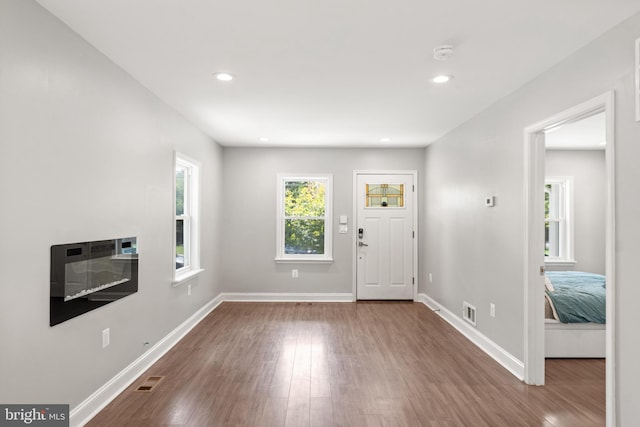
pixel 106 337
pixel 189 290
pixel 492 310
pixel 430 278
pixel 294 273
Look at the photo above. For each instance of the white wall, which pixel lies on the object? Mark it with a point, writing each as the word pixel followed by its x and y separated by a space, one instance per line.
pixel 476 253
pixel 587 167
pixel 249 223
pixel 85 154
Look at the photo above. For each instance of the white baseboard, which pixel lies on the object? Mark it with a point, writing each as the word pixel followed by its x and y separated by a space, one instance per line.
pixel 85 411
pixel 284 297
pixel 500 355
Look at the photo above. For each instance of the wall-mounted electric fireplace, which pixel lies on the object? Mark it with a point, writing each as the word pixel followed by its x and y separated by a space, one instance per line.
pixel 88 275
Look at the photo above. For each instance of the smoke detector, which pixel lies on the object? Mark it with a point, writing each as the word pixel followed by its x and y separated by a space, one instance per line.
pixel 442 53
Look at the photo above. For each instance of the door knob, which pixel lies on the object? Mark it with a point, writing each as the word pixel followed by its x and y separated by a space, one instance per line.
pixel 362 244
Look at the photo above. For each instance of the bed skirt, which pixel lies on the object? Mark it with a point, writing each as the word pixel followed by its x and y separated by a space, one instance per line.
pixel 574 340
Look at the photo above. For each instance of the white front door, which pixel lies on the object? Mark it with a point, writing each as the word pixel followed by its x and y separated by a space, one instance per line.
pixel 384 236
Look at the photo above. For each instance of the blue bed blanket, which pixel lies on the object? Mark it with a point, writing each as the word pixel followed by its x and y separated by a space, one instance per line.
pixel 578 297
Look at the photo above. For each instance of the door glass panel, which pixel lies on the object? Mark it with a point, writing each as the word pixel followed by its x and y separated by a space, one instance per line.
pixel 384 195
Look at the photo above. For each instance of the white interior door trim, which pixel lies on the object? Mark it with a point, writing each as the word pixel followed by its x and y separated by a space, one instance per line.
pixel 354 234
pixel 534 318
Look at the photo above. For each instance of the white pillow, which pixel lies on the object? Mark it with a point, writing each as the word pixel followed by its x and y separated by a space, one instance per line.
pixel 547 284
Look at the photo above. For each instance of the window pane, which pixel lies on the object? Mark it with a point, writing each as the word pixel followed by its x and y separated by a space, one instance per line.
pixel 547 198
pixel 179 243
pixel 304 198
pixel 304 236
pixel 180 173
pixel 552 239
pixel 552 206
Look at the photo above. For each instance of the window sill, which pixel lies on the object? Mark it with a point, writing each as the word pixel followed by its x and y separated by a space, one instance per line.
pixel 304 260
pixel 560 262
pixel 186 276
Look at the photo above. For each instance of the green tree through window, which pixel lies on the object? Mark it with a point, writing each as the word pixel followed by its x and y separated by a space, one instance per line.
pixel 304 207
pixel 304 228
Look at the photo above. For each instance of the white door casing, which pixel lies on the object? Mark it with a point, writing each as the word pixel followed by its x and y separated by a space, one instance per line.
pixel 385 249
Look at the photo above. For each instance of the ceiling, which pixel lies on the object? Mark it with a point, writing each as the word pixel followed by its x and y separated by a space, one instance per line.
pixel 335 73
pixel 586 134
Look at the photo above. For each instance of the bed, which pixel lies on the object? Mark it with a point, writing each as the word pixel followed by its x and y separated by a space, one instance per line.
pixel 574 314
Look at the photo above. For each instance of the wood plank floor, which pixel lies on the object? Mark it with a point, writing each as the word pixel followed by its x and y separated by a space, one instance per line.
pixel 348 364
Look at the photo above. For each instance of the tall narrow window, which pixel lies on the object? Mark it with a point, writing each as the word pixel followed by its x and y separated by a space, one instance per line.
pixel 558 219
pixel 304 218
pixel 186 210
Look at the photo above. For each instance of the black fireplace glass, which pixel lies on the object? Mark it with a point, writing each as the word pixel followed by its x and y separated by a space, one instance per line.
pixel 88 275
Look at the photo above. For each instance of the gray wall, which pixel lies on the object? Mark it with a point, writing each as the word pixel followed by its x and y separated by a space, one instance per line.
pixel 476 253
pixel 86 153
pixel 587 168
pixel 249 214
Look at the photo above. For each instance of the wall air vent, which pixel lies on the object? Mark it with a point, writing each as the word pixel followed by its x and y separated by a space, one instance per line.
pixel 469 313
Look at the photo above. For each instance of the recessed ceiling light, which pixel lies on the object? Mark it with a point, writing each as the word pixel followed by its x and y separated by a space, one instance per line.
pixel 263 139
pixel 385 139
pixel 225 77
pixel 441 79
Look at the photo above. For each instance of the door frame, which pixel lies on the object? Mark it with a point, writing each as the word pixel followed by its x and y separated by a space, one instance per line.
pixel 534 241
pixel 354 234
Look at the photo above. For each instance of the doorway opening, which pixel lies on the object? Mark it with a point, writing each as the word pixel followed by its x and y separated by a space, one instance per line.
pixel 534 262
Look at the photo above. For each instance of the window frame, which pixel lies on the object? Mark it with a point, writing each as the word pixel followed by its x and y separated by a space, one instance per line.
pixel 283 257
pixel 565 220
pixel 190 218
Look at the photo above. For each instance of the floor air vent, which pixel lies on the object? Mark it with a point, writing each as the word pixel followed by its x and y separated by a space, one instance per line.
pixel 149 384
pixel 469 313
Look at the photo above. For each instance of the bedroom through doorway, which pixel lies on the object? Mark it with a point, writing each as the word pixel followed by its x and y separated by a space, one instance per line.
pixel 574 247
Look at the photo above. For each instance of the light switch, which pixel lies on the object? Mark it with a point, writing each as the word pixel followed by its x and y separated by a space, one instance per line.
pixel 343 219
pixel 343 229
pixel 106 337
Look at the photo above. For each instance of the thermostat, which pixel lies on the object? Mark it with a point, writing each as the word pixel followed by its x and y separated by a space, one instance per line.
pixel 489 201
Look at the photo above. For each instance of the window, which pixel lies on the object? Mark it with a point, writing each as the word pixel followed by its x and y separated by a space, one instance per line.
pixel 558 215
pixel 304 218
pixel 186 249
